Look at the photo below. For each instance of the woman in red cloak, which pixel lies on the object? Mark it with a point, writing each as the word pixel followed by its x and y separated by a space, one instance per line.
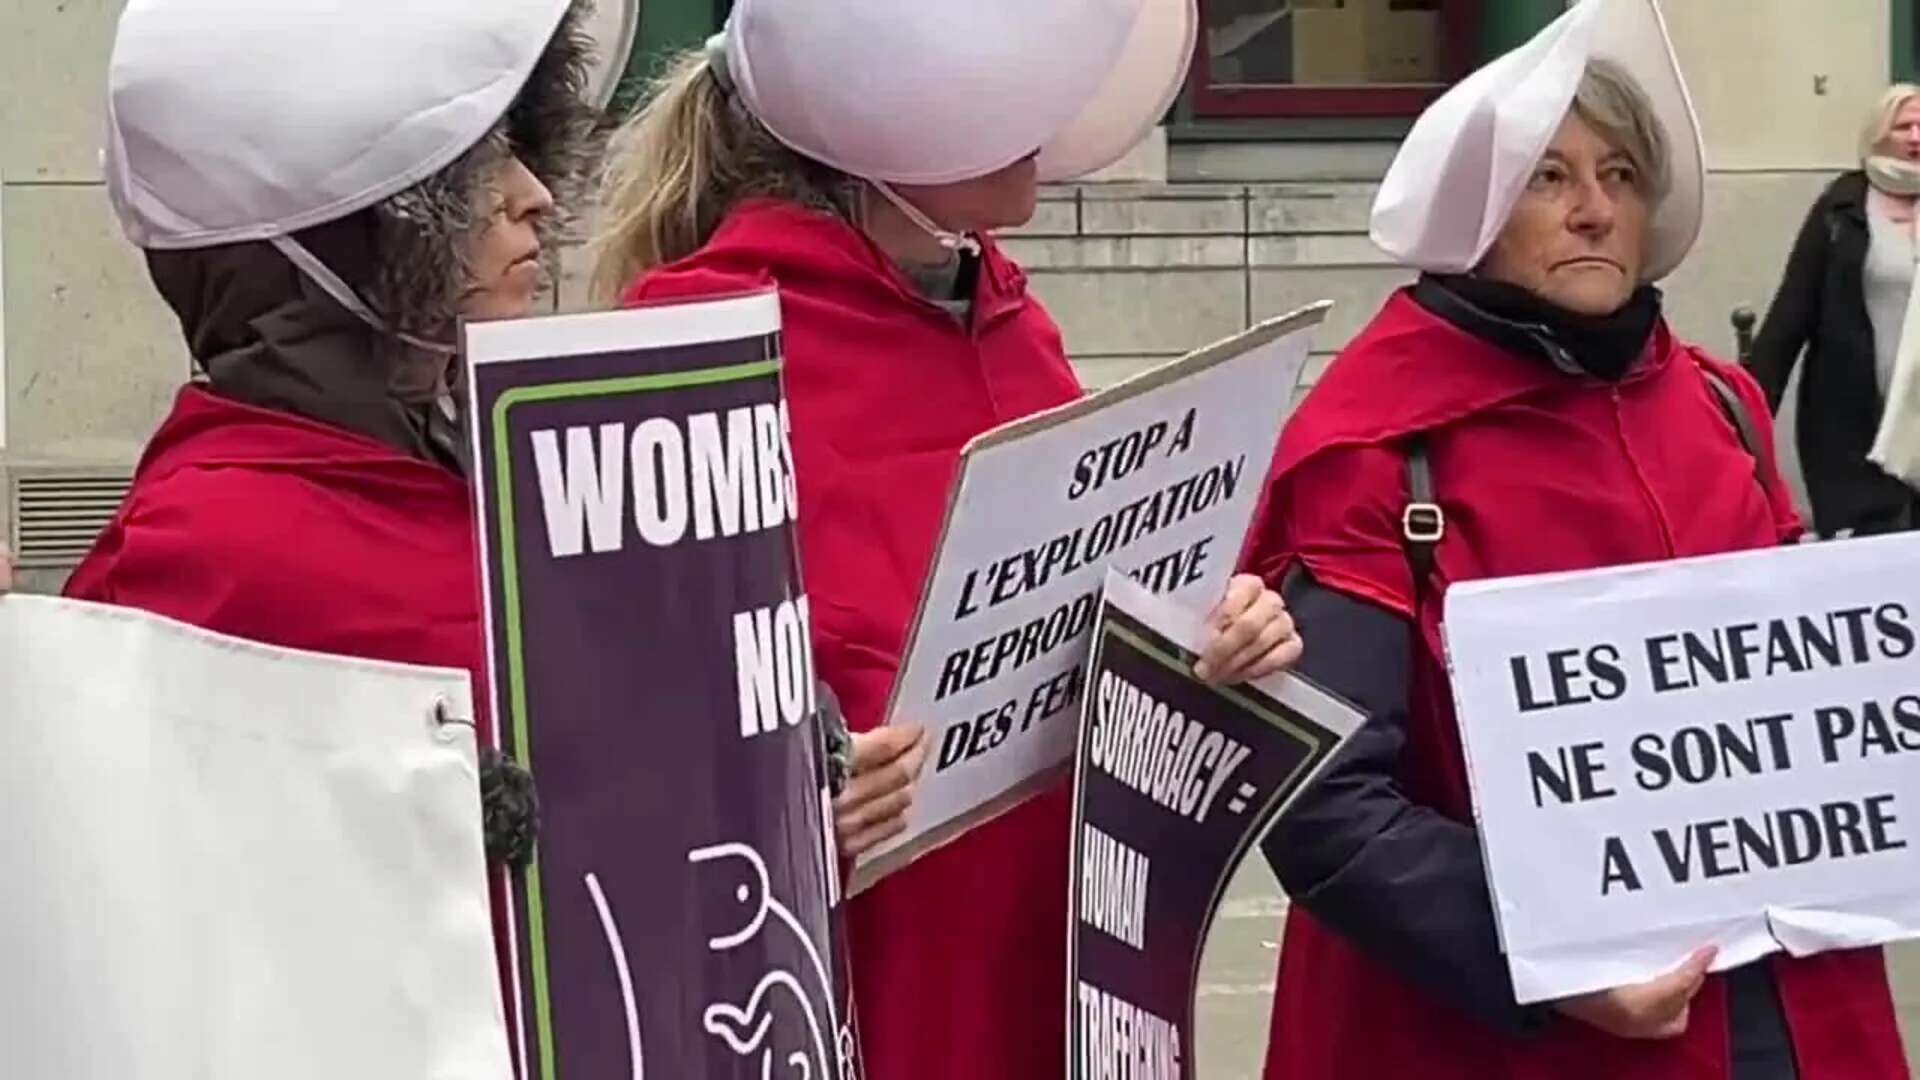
pixel 308 488
pixel 1523 408
pixel 857 154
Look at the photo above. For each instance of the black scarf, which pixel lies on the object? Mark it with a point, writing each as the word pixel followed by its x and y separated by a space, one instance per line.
pixel 264 334
pixel 1516 319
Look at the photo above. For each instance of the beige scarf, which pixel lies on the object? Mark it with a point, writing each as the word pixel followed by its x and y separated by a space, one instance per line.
pixel 1896 446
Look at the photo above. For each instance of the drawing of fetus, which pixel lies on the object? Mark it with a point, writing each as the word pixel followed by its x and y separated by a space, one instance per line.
pixel 746 1030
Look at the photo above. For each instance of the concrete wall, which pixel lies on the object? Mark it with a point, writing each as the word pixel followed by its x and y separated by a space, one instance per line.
pixel 1782 84
pixel 91 355
pixel 1138 275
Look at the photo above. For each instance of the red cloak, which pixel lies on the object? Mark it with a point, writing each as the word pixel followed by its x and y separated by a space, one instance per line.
pixel 1537 471
pixel 268 526
pixel 272 527
pixel 959 960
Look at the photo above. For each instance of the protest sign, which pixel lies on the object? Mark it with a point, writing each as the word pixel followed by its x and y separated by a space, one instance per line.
pixel 1711 751
pixel 236 860
pixel 1158 476
pixel 1174 783
pixel 652 667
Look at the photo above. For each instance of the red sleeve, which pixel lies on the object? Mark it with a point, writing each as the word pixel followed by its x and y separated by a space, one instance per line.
pixel 164 553
pixel 861 602
pixel 693 281
pixel 837 533
pixel 1786 518
pixel 861 677
pixel 219 549
pixel 1337 513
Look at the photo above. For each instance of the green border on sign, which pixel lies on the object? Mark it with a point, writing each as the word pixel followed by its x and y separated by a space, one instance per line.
pixel 510 592
pixel 1319 747
pixel 1156 653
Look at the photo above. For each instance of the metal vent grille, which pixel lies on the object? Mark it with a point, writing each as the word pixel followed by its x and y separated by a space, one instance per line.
pixel 57 515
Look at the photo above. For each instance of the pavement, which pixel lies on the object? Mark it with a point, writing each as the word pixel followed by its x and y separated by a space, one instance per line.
pixel 1236 980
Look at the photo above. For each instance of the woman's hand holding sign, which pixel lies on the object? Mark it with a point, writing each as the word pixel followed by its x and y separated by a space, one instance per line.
pixel 1250 635
pixel 886 767
pixel 1656 1009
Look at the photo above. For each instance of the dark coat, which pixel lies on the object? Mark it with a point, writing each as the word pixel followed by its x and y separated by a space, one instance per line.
pixel 1821 310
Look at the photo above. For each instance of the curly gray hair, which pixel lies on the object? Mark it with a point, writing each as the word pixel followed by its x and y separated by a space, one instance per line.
pixel 423 234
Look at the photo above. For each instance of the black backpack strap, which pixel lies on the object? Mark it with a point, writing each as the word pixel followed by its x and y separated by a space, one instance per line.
pixel 1422 524
pixel 1742 420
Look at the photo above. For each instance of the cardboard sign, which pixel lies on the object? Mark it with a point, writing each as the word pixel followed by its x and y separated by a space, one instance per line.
pixel 652 667
pixel 238 860
pixel 1158 476
pixel 1175 782
pixel 1712 751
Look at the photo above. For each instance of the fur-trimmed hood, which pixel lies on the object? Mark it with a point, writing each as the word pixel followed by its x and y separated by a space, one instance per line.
pixel 264 332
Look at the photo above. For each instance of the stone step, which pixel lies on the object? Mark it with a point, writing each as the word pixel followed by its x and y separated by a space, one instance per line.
pixel 1139 273
pixel 1118 321
pixel 1198 209
pixel 1100 372
pixel 1150 252
pixel 1258 160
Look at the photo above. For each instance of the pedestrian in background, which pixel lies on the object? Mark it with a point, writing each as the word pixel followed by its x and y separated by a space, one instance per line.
pixel 1844 303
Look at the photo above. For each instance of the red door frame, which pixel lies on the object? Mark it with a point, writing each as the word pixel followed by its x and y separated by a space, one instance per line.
pixel 1460 23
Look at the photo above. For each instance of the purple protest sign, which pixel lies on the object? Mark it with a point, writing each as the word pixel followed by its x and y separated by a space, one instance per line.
pixel 651 666
pixel 1175 781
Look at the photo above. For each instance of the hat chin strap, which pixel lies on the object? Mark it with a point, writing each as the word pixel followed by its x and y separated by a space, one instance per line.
pixel 948 239
pixel 322 275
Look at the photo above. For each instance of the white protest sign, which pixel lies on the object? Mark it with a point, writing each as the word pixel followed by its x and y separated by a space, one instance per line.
pixel 1159 477
pixel 1713 751
pixel 233 860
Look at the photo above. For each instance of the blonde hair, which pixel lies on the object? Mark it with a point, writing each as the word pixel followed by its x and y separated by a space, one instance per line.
pixel 1880 118
pixel 679 164
pixel 1617 109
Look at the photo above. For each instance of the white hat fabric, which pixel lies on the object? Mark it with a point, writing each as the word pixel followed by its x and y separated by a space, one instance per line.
pixel 613 25
pixel 926 92
pixel 1139 90
pixel 1460 171
pixel 238 120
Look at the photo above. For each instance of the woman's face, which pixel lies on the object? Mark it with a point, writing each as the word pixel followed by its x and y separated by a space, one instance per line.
pixel 1903 140
pixel 998 200
pixel 1577 237
pixel 504 261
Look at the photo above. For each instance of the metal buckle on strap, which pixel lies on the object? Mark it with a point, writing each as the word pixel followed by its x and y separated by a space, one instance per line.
pixel 1423 523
